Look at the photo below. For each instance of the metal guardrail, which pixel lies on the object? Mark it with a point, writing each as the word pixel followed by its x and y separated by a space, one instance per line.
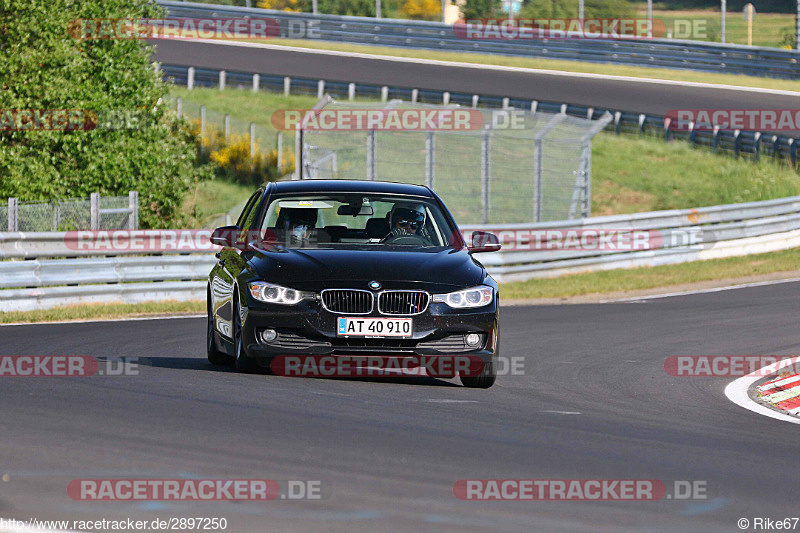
pixel 739 143
pixel 46 279
pixel 662 53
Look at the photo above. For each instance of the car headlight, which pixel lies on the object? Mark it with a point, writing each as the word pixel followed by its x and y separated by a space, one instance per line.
pixel 275 294
pixel 473 297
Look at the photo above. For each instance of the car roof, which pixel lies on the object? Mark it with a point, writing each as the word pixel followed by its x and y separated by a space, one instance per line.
pixel 347 186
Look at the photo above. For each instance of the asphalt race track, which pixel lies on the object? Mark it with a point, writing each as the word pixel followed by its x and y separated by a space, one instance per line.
pixel 594 403
pixel 621 95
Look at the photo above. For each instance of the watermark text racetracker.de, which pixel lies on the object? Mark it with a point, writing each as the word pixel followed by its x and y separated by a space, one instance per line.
pixel 733 119
pixel 67 366
pixel 566 28
pixel 75 120
pixel 347 366
pixel 578 489
pixel 729 365
pixel 197 489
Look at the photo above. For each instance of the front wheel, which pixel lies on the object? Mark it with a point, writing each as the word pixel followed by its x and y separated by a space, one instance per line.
pixel 486 378
pixel 244 363
pixel 215 357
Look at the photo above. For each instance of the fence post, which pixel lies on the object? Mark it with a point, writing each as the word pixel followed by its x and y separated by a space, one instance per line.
pixel 505 103
pixel 642 118
pixel 94 211
pixel 757 147
pixel 221 80
pixel 414 95
pixel 279 159
pixel 716 139
pixel 446 98
pixel 12 214
pixel 475 101
pixel 430 161
pixel 737 143
pixel 190 78
pixel 202 126
pixel 298 152
pixel 56 214
pixel 586 204
pixel 179 107
pixel 256 82
pixel 486 174
pixel 133 205
pixel 534 106
pixel 287 85
pixel 351 91
pixel 371 165
pixel 617 117
pixel 384 93
pixel 320 88
pixel 792 153
pixel 227 129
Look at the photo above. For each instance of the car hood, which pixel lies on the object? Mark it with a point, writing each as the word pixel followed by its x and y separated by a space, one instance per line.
pixel 316 269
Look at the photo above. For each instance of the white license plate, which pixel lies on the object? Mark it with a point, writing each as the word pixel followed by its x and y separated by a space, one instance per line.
pixel 373 327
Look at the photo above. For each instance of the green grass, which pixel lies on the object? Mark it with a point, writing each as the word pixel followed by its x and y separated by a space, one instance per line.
pixel 767 27
pixel 210 200
pixel 634 174
pixel 651 277
pixel 103 311
pixel 549 64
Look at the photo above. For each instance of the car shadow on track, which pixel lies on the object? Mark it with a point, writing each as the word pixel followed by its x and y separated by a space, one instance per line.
pixel 201 363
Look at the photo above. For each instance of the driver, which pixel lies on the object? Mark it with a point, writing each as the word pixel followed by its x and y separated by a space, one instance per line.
pixel 406 219
pixel 297 224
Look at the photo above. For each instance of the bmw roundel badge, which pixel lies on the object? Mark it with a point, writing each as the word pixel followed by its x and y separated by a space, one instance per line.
pixel 374 285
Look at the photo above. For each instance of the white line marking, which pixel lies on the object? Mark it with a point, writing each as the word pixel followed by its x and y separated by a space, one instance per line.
pixel 736 391
pixel 451 401
pixel 481 66
pixel 702 291
pixel 93 320
pixel 561 412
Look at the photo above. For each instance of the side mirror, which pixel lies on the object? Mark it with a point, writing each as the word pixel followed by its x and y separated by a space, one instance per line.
pixel 483 241
pixel 224 236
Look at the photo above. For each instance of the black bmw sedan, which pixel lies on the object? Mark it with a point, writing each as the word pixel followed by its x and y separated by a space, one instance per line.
pixel 342 268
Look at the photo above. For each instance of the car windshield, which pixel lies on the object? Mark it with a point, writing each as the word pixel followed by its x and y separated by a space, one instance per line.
pixel 356 220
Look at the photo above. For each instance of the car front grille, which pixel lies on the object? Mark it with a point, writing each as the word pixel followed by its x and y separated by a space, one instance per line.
pixel 350 301
pixel 403 302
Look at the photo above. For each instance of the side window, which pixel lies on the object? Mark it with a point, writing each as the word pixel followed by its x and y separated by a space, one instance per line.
pixel 247 207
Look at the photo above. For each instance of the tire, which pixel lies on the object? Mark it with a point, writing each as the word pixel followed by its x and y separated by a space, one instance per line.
pixel 486 378
pixel 215 357
pixel 243 363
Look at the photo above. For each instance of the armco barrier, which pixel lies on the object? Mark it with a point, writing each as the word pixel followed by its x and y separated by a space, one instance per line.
pixel 663 53
pixel 35 274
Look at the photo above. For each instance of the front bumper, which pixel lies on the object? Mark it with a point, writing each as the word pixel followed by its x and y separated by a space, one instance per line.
pixel 309 329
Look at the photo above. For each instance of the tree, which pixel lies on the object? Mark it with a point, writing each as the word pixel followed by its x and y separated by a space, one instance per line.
pixel 481 9
pixel 44 68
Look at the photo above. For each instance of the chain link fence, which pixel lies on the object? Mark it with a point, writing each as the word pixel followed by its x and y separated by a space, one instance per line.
pixel 93 213
pixel 518 166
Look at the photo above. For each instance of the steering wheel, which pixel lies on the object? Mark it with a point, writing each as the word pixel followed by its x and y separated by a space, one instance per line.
pixel 407 240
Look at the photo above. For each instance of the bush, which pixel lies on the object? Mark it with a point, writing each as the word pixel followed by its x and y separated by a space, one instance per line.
pixel 233 160
pixel 44 68
pixel 481 9
pixel 422 9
